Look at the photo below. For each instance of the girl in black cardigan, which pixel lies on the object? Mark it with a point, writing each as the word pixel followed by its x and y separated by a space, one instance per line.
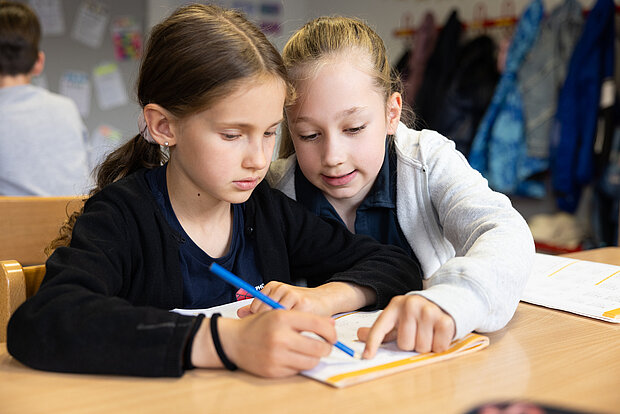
pixel 188 191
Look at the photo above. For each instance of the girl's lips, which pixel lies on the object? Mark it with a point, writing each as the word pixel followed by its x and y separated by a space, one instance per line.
pixel 247 184
pixel 339 181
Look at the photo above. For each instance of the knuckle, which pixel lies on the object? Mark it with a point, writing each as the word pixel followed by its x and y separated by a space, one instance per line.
pixel 412 306
pixel 445 324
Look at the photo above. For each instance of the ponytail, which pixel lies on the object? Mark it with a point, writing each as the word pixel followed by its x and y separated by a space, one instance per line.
pixel 134 155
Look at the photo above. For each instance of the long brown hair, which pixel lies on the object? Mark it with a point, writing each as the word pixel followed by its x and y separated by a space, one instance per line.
pixel 192 59
pixel 331 37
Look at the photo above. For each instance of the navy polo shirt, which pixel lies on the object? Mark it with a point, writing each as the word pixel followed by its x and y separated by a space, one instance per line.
pixel 201 288
pixel 375 217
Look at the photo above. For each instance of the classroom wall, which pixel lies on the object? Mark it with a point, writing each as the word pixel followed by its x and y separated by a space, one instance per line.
pixel 110 126
pixel 67 52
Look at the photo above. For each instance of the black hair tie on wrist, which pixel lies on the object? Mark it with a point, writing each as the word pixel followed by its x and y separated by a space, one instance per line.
pixel 228 364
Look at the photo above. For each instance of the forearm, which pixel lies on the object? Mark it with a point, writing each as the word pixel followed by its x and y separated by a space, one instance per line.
pixel 203 354
pixel 345 297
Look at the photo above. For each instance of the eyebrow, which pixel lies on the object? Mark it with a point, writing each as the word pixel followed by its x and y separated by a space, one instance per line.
pixel 339 115
pixel 244 125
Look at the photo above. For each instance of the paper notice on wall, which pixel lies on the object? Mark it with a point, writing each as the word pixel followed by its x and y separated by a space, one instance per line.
pixel 109 86
pixel 103 140
pixel 127 38
pixel 90 23
pixel 75 85
pixel 50 15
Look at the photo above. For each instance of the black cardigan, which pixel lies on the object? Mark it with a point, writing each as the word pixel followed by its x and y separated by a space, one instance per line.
pixel 103 305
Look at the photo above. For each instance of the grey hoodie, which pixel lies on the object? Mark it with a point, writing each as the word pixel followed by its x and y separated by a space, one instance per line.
pixel 475 249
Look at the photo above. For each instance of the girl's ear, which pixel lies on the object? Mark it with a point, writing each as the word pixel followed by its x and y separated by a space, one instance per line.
pixel 394 109
pixel 159 121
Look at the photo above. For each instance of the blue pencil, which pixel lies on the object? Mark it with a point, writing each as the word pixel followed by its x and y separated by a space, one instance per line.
pixel 242 284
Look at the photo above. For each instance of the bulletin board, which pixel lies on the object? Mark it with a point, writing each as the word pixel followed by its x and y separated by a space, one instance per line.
pixel 92 50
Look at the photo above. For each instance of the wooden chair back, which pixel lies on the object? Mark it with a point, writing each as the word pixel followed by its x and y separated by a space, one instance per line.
pixel 17 283
pixel 29 224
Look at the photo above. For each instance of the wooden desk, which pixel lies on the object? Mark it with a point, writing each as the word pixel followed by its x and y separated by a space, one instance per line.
pixel 542 355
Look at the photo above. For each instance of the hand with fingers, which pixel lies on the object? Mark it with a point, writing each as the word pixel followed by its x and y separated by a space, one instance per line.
pixel 327 299
pixel 416 324
pixel 268 344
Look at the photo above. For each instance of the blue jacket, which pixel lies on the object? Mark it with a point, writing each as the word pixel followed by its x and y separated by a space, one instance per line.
pixel 498 149
pixel 578 106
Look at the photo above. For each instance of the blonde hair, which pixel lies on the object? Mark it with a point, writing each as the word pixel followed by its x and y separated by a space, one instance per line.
pixel 327 38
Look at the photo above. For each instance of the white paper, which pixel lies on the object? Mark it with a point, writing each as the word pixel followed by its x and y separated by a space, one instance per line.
pixel 389 359
pixel 578 286
pixel 50 15
pixel 90 23
pixel 228 310
pixel 111 91
pixel 76 86
pixel 340 370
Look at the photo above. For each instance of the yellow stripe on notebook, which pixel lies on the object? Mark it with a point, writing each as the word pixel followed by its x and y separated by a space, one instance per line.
pixel 562 268
pixel 598 283
pixel 455 349
pixel 613 314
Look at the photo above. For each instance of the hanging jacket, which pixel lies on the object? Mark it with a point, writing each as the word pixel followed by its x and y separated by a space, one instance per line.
pixel 438 68
pixel 498 148
pixel 469 92
pixel 578 106
pixel 543 72
pixel 421 50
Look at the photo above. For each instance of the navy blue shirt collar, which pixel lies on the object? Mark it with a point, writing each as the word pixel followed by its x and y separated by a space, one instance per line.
pixel 382 193
pixel 375 217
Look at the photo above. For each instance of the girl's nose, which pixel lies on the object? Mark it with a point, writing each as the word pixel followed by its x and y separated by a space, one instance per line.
pixel 334 152
pixel 256 156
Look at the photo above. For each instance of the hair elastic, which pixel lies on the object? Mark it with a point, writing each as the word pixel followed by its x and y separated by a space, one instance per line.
pixel 144 129
pixel 228 364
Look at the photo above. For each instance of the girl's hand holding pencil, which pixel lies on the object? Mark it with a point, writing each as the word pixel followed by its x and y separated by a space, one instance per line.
pixel 268 344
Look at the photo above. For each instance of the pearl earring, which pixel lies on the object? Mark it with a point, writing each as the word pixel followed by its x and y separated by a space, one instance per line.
pixel 166 143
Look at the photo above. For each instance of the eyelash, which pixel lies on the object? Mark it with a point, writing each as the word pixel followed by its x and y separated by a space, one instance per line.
pixel 351 131
pixel 308 137
pixel 356 130
pixel 231 137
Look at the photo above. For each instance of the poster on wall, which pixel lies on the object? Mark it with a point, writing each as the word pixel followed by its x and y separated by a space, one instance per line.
pixel 109 85
pixel 50 15
pixel 90 23
pixel 75 85
pixel 126 38
pixel 103 140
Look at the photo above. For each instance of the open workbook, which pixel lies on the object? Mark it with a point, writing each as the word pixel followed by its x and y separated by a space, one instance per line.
pixel 578 286
pixel 340 370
